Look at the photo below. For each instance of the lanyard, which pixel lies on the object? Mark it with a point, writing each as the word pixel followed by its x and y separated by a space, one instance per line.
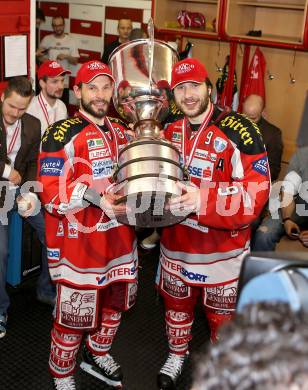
pixel 44 109
pixel 185 141
pixel 14 138
pixel 113 148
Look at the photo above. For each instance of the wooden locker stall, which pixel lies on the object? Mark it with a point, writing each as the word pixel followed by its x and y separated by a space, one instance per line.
pixel 283 41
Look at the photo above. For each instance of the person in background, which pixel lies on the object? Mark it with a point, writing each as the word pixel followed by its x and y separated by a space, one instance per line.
pixel 137 33
pixel 229 186
pixel 47 106
pixel 125 27
pixel 263 348
pixel 96 281
pixel 292 219
pixel 62 48
pixel 253 108
pixel 20 135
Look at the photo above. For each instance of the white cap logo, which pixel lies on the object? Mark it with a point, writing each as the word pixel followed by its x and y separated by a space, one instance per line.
pixel 54 65
pixel 96 66
pixel 184 68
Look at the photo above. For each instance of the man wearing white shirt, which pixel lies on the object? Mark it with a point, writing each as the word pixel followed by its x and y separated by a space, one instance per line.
pixel 47 106
pixel 60 47
pixel 19 146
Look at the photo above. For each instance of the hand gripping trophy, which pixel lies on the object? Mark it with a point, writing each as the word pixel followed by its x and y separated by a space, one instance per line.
pixel 149 167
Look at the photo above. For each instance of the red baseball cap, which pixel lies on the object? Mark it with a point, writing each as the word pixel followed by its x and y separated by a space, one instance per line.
pixel 51 69
pixel 90 70
pixel 188 70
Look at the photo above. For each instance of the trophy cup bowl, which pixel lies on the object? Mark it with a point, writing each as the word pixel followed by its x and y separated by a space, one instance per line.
pixel 149 166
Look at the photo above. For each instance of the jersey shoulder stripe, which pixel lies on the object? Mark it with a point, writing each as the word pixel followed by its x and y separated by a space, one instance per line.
pixel 244 133
pixel 60 133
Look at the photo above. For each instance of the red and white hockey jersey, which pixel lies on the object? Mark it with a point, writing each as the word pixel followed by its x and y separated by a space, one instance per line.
pixel 85 247
pixel 228 162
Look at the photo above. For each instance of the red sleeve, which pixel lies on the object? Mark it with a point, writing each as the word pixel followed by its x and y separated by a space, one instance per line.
pixel 238 200
pixel 61 190
pixel 236 203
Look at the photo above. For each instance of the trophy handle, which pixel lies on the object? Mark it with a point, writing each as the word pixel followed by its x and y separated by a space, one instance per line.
pixel 151 49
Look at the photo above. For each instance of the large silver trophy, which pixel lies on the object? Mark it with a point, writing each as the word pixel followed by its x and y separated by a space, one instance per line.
pixel 149 166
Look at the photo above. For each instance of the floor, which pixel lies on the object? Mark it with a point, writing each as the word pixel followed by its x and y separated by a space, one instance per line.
pixel 140 346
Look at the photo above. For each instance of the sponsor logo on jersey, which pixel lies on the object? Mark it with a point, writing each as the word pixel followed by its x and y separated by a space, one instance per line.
pixel 104 226
pixel 102 168
pixel 236 124
pixel 60 230
pixel 61 129
pixel 201 154
pixel 72 230
pixel 53 253
pixel 169 264
pixel 178 315
pixel 201 169
pixel 115 274
pixel 220 144
pixel 221 297
pixel 261 166
pixel 193 276
pixel 95 143
pixel 213 156
pixel 89 133
pixel 174 287
pixel 119 132
pixel 98 153
pixel 192 223
pixel 76 308
pixel 176 137
pixel 51 166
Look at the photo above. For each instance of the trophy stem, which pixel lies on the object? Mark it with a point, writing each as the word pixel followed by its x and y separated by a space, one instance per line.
pixel 147 128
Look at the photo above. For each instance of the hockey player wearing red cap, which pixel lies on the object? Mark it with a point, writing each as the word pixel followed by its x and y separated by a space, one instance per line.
pixel 47 106
pixel 229 185
pixel 92 258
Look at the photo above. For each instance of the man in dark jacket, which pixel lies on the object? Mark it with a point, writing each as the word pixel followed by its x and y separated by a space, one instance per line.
pixel 19 145
pixel 253 107
pixel 125 27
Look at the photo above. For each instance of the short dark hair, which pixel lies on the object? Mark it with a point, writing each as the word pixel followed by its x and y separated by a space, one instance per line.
pixel 136 33
pixel 21 85
pixel 209 83
pixel 264 347
pixel 57 17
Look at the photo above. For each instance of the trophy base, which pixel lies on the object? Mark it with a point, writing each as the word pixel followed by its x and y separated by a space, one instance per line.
pixel 146 200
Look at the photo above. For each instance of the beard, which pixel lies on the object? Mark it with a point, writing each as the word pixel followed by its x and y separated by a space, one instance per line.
pixel 96 113
pixel 196 111
pixel 56 95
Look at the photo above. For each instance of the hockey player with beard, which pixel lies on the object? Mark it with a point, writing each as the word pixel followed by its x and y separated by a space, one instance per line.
pixel 229 186
pixel 96 278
